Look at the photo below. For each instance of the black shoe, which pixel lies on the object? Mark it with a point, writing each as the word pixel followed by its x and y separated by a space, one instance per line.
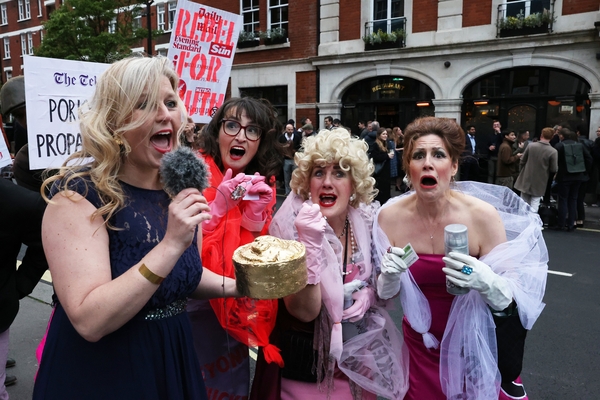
pixel 10 362
pixel 10 380
pixel 513 390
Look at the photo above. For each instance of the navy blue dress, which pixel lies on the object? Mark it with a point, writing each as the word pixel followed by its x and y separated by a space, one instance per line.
pixel 151 356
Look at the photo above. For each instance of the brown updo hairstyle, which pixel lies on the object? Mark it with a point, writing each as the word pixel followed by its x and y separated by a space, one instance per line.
pixel 446 128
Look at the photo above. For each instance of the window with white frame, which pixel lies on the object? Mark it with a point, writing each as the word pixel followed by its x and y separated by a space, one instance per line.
pixel 251 21
pixel 278 14
pixel 160 17
pixel 23 44
pixel 39 8
pixel 112 26
pixel 6 48
pixel 21 6
pixel 137 21
pixel 27 9
pixel 8 73
pixel 172 10
pixel 3 14
pixel 30 43
pixel 513 8
pixel 387 15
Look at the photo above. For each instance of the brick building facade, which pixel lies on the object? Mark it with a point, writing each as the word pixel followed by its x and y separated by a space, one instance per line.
pixel 459 58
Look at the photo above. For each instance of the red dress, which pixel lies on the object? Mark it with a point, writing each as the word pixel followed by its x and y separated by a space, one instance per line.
pixel 424 367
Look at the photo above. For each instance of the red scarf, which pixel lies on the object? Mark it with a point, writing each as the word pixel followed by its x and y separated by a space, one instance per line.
pixel 249 321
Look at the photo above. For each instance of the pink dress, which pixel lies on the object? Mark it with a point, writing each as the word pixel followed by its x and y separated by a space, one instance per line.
pixel 424 367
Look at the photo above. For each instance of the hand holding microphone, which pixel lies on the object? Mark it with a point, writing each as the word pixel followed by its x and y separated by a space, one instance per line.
pixel 184 176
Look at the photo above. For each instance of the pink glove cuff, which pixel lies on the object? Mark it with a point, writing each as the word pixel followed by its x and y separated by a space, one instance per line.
pixel 313 267
pixel 250 224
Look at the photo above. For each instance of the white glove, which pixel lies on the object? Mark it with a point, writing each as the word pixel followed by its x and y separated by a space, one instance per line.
pixel 392 266
pixel 493 288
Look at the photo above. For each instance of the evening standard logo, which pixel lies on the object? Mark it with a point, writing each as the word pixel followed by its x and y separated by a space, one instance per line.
pixel 184 43
pixel 220 50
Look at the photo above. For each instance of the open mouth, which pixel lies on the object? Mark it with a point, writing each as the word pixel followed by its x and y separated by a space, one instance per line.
pixel 161 142
pixel 237 152
pixel 327 200
pixel 428 181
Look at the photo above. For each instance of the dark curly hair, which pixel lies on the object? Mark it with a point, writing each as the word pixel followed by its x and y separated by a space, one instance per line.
pixel 267 160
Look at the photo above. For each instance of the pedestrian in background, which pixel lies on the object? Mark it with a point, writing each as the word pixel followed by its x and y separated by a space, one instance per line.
pixel 507 162
pixel 124 255
pixel 21 212
pixel 573 162
pixel 539 161
pixel 291 142
pixel 381 156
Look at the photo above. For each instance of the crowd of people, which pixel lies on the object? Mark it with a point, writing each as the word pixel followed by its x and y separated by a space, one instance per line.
pixel 146 303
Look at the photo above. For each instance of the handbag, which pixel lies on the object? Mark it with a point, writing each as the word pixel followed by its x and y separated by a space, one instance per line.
pixel 378 167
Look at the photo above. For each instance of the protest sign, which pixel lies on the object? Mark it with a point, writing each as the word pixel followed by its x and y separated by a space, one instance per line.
pixel 202 47
pixel 54 91
pixel 4 153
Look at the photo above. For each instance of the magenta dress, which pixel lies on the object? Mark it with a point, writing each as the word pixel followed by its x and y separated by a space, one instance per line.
pixel 424 370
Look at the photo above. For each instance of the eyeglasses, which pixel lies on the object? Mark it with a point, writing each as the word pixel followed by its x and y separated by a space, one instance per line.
pixel 232 128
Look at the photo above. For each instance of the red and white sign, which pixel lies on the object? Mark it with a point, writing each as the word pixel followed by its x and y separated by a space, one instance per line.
pixel 202 48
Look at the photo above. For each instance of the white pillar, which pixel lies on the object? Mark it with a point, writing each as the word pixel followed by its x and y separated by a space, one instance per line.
pixel 448 108
pixel 594 114
pixel 329 109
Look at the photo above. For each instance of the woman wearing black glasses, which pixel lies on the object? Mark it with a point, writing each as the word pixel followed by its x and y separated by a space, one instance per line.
pixel 241 150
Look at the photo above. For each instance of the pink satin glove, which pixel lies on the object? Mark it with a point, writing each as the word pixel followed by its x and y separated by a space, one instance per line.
pixel 310 225
pixel 227 197
pixel 255 215
pixel 364 299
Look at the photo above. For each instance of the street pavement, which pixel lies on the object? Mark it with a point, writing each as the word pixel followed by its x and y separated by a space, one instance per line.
pixel 562 352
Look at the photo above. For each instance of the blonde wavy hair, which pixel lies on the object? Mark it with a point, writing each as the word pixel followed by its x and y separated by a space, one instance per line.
pixel 335 147
pixel 105 120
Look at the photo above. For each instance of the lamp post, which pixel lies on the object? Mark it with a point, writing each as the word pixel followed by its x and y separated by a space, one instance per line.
pixel 149 24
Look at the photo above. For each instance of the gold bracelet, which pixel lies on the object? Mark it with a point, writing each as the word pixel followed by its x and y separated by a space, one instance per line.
pixel 151 276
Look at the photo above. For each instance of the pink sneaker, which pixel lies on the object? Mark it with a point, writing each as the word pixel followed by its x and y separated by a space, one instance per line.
pixel 513 390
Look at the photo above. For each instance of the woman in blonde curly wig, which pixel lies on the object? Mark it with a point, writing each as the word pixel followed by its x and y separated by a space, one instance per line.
pixel 124 256
pixel 340 148
pixel 330 211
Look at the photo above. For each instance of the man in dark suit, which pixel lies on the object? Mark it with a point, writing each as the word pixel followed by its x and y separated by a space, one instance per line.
pixel 291 141
pixel 469 169
pixel 21 212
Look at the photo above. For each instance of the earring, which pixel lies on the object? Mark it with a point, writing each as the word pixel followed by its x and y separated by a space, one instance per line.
pixel 118 141
pixel 353 197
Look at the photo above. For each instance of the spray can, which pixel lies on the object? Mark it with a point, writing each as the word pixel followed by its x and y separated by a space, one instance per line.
pixel 456 239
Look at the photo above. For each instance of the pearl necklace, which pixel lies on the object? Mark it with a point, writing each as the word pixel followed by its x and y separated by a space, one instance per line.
pixel 348 229
pixel 345 230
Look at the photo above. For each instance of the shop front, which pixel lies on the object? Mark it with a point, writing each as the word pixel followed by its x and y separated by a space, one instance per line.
pixel 528 98
pixel 391 100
